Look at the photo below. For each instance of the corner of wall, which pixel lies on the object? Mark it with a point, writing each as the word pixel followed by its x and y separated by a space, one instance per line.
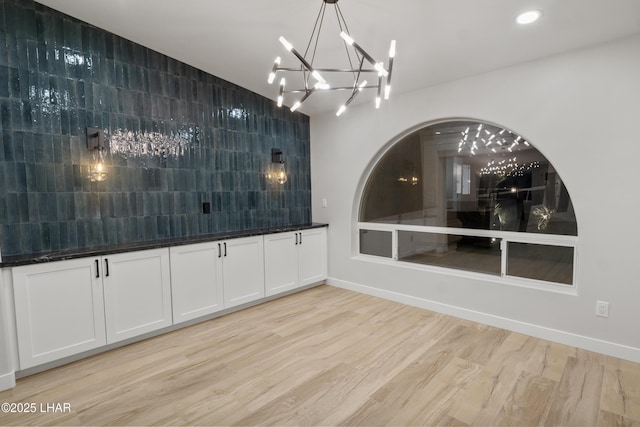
pixel 7 337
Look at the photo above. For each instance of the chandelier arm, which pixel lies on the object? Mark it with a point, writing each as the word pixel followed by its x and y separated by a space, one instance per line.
pixel 389 75
pixel 365 54
pixel 304 62
pixel 352 97
pixel 330 70
pixel 357 76
pixel 297 104
pixel 301 58
pixel 306 95
pixel 342 88
pixel 306 77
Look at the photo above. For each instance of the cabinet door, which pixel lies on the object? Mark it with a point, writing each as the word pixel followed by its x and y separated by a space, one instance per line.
pixel 312 256
pixel 243 270
pixel 280 262
pixel 59 310
pixel 196 289
pixel 137 293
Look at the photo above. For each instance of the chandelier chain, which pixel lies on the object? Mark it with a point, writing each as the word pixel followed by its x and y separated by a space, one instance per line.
pixel 319 19
pixel 341 20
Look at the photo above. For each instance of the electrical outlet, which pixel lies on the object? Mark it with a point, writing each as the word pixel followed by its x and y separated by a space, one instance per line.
pixel 602 308
pixel 324 203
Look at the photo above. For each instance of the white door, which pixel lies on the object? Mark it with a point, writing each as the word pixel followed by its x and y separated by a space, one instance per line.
pixel 59 310
pixel 196 288
pixel 280 262
pixel 137 293
pixel 312 256
pixel 242 270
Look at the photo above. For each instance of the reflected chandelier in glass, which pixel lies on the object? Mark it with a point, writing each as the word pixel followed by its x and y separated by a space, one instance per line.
pixel 468 174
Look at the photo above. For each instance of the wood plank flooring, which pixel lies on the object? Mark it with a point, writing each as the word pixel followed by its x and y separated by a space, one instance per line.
pixel 327 356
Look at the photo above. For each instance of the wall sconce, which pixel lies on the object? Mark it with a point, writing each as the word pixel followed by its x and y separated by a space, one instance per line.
pixel 278 173
pixel 95 143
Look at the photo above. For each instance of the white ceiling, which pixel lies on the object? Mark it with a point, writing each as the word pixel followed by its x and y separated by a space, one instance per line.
pixel 437 40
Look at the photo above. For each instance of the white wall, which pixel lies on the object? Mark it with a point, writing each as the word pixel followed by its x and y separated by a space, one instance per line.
pixel 581 111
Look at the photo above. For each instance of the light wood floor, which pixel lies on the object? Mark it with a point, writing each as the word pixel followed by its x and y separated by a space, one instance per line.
pixel 328 356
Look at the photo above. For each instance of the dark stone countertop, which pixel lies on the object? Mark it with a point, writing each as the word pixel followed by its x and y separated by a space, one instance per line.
pixel 17 260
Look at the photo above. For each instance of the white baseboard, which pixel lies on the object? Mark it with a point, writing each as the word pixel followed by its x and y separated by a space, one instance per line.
pixel 555 335
pixel 7 381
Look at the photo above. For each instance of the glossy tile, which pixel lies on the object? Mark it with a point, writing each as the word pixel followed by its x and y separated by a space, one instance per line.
pixel 175 136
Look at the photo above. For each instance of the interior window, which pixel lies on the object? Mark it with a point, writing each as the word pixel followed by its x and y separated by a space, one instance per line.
pixel 467 174
pixel 483 182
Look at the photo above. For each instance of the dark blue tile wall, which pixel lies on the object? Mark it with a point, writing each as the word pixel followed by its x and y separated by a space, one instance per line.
pixel 176 137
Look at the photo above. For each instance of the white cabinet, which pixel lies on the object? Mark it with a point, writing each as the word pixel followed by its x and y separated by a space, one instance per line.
pixel 312 256
pixel 196 287
pixel 280 262
pixel 59 310
pixel 67 307
pixel 295 259
pixel 137 293
pixel 242 271
pixel 208 277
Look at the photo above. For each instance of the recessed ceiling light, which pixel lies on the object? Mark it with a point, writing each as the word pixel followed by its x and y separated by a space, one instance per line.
pixel 528 17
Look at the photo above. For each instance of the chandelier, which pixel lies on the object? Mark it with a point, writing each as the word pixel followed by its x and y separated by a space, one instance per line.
pixel 314 79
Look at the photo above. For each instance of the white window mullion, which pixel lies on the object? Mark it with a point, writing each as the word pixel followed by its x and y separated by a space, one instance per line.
pixel 394 245
pixel 503 257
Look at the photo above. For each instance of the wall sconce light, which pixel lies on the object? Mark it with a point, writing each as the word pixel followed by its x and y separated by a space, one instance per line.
pixel 95 143
pixel 278 173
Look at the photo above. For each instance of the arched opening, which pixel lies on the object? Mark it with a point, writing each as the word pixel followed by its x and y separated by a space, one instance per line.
pixel 471 196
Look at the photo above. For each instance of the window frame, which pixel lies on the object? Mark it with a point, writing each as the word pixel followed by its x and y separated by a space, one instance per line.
pixel 564 240
pixel 505 236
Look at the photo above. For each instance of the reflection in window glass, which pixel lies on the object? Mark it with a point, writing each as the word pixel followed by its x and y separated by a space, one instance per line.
pixel 540 262
pixel 373 242
pixel 467 174
pixel 479 254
